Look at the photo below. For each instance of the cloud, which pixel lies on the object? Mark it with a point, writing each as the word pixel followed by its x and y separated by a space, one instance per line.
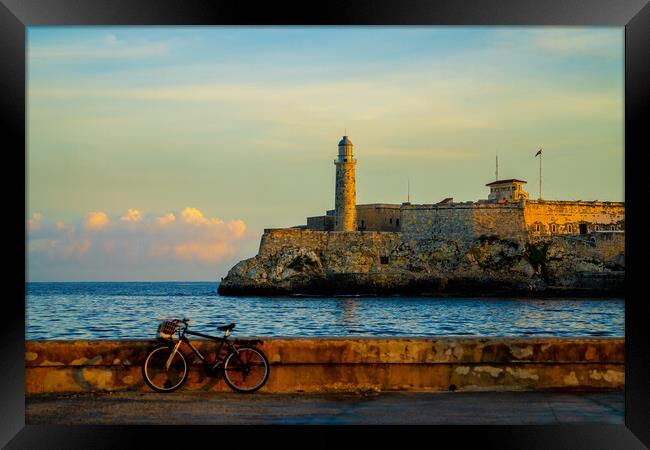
pixel 135 241
pixel 74 248
pixel 133 215
pixel 34 223
pixel 96 221
pixel 193 216
pixel 237 227
pixel 200 251
pixel 167 218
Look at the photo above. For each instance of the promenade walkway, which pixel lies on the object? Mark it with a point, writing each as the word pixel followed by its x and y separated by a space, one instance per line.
pixel 407 408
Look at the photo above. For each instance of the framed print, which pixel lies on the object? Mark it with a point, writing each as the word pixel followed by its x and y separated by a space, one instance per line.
pixel 373 214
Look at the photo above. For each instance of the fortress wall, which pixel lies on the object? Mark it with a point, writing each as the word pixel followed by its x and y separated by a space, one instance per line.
pixel 466 221
pixel 359 252
pixel 504 221
pixel 437 222
pixel 374 217
pixel 378 217
pixel 463 222
pixel 356 251
pixel 321 223
pixel 282 239
pixel 564 213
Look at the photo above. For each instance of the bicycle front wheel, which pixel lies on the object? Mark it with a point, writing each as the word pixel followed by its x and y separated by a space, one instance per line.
pixel 247 370
pixel 159 376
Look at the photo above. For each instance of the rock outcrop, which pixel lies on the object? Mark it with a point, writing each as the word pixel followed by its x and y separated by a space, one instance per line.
pixel 298 261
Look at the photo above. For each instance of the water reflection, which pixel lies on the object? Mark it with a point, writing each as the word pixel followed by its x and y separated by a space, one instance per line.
pixel 348 306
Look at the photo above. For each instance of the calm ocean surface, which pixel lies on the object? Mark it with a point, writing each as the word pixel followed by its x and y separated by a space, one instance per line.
pixel 133 310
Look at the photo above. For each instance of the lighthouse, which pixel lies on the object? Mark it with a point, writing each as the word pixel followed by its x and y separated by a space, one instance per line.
pixel 345 202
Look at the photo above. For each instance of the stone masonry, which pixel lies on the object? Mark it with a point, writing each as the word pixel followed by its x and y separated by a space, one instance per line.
pixel 345 200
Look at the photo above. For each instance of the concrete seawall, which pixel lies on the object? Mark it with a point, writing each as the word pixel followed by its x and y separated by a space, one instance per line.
pixel 344 364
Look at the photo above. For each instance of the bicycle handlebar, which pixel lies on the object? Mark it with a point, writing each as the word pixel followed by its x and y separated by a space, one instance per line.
pixel 184 320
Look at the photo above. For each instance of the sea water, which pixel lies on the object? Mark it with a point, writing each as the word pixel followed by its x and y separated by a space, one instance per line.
pixel 132 310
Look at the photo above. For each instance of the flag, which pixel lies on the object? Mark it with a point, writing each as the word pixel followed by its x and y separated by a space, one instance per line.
pixel 539 152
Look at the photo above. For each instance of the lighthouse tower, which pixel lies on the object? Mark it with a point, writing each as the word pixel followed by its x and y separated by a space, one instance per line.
pixel 345 203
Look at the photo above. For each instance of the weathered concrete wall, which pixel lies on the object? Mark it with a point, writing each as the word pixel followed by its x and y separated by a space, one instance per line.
pixel 342 364
pixel 566 216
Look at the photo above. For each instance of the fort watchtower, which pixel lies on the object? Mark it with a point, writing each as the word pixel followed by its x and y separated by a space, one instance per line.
pixel 346 194
pixel 512 189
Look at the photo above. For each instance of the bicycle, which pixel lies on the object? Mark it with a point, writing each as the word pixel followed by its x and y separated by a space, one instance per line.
pixel 165 367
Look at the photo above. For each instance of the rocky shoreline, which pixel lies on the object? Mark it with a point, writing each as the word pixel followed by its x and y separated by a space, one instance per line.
pixel 300 262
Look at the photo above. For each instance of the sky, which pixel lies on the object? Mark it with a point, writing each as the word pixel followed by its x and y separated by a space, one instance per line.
pixel 161 153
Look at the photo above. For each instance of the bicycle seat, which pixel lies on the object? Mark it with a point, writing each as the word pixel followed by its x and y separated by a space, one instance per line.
pixel 226 327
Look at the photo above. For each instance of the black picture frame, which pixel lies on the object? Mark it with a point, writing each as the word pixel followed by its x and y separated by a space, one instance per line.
pixel 634 15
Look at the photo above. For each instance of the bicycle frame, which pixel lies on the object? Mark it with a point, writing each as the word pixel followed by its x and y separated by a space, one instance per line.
pixel 222 340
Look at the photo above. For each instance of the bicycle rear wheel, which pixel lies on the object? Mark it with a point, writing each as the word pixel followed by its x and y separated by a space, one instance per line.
pixel 247 370
pixel 161 378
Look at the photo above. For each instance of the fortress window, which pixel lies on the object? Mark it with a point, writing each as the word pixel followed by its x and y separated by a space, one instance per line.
pixel 537 227
pixel 390 220
pixel 613 227
pixel 569 228
pixel 553 228
pixel 383 259
pixel 397 222
pixel 583 228
pixel 363 223
pixel 597 228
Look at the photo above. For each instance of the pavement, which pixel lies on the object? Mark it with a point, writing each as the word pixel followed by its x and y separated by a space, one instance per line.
pixel 361 408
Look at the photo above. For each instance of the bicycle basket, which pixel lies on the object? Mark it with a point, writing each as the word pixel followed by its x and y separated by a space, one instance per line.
pixel 167 329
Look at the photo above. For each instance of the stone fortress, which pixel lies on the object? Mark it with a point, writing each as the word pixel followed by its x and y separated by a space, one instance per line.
pixel 506 242
pixel 506 212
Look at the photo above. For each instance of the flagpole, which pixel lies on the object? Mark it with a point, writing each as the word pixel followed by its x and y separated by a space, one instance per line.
pixel 540 174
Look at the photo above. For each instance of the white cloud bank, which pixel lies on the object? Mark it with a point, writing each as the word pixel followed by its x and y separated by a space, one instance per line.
pixel 171 243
